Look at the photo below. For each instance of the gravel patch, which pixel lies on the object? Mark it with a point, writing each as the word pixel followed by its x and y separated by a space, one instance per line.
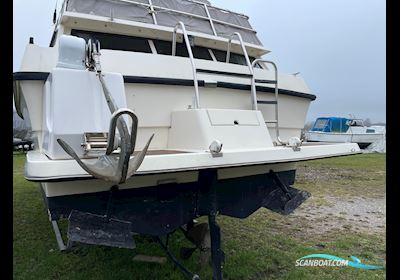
pixel 364 215
pixel 348 207
pixel 321 174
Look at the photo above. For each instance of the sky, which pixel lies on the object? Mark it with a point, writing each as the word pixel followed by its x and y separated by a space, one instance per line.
pixel 338 46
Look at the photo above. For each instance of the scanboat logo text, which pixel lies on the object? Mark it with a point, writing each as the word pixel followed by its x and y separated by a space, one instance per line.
pixel 329 260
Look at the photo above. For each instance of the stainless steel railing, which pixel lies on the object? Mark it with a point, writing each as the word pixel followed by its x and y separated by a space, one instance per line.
pixel 181 25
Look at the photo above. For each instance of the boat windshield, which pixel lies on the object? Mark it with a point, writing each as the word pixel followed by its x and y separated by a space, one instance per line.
pixel 339 125
pixel 320 124
pixel 356 122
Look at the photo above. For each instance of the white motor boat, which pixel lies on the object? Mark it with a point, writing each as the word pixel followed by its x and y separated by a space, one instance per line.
pixel 343 130
pixel 149 114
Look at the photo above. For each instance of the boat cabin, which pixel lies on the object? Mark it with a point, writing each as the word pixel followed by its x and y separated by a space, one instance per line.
pixel 338 125
pixel 213 68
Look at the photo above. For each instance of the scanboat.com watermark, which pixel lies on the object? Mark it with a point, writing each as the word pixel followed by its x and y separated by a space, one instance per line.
pixel 319 260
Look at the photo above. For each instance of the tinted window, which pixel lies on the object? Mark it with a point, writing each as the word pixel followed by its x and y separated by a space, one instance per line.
pixel 257 65
pixel 201 53
pixel 235 58
pixel 165 47
pixel 115 42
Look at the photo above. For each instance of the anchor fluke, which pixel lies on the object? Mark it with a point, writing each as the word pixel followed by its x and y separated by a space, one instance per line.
pixel 136 161
pixel 106 166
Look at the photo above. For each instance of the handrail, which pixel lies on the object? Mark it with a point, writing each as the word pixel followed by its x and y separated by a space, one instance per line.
pixel 208 18
pixel 254 94
pixel 181 25
pixel 152 11
pixel 228 53
pixel 221 9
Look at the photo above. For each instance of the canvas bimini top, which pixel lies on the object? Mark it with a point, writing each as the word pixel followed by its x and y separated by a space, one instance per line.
pixel 331 124
pixel 198 16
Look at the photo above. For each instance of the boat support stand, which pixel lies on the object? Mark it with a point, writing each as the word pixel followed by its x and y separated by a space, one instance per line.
pixel 60 241
pixel 182 268
pixel 209 179
pixel 216 251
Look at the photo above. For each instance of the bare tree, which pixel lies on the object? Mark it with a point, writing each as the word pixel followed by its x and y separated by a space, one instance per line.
pixel 367 122
pixel 308 126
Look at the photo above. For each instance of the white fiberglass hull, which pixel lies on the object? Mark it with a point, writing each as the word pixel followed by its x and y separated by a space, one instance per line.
pixel 154 89
pixel 359 138
pixel 66 177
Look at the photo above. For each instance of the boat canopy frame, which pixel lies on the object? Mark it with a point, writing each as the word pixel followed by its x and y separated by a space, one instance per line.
pixel 198 16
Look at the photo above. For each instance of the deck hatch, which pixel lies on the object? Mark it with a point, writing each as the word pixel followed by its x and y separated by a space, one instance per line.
pixel 233 117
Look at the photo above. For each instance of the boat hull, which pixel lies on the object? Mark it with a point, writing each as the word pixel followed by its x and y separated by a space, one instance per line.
pixel 362 139
pixel 160 210
pixel 66 177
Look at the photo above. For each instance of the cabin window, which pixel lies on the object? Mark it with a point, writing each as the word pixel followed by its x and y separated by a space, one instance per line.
pixel 165 47
pixel 201 53
pixel 115 42
pixel 137 44
pixel 355 123
pixel 235 58
pixel 320 124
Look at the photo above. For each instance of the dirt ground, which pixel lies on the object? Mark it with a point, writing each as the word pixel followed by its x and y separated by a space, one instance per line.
pixel 364 215
pixel 361 213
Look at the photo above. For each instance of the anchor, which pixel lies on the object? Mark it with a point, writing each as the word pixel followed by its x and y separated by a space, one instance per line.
pixel 115 168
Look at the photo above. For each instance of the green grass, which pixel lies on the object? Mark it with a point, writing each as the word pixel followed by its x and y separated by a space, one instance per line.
pixel 367 162
pixel 262 246
pixel 359 175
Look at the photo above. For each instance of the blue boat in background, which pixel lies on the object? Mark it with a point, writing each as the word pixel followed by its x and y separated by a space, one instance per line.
pixel 345 130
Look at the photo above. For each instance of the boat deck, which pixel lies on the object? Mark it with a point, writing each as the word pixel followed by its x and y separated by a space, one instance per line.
pixel 309 144
pixel 176 152
pixel 41 168
pixel 163 152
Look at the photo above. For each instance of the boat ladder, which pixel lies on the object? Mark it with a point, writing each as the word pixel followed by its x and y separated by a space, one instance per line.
pixel 251 66
pixel 274 102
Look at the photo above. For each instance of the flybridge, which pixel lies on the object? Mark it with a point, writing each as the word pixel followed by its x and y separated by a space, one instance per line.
pixel 198 16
